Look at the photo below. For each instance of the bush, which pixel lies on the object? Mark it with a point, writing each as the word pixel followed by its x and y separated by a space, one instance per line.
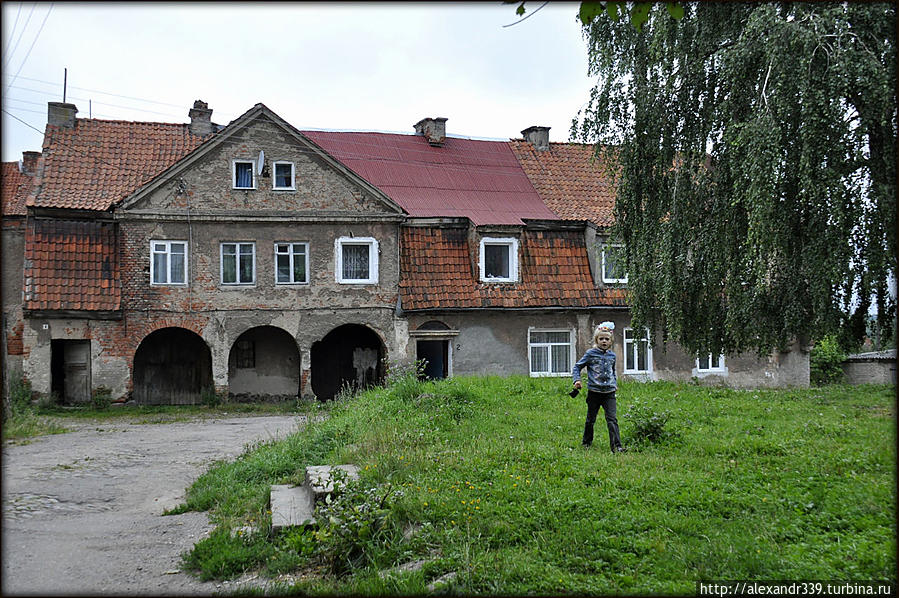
pixel 649 424
pixel 825 362
pixel 210 398
pixel 101 398
pixel 355 524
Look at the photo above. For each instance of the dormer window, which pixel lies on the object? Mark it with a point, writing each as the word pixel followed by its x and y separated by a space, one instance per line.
pixel 243 174
pixel 613 264
pixel 284 176
pixel 498 260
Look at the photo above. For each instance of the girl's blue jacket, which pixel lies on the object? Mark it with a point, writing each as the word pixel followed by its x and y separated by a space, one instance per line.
pixel 600 370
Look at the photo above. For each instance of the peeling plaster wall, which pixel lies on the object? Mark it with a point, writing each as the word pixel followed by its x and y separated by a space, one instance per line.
pixel 12 254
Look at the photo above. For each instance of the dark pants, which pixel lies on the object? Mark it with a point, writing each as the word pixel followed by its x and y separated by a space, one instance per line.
pixel 606 400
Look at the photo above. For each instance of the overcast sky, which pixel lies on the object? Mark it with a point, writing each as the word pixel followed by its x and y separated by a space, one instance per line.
pixel 365 66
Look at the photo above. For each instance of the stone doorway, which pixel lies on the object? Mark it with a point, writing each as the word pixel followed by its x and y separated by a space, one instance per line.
pixel 350 355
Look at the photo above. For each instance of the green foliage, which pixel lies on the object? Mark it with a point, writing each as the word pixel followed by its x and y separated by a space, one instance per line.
pixel 22 420
pixel 648 423
pixel 768 484
pixel 210 398
pixel 224 555
pixel 825 361
pixel 755 150
pixel 357 525
pixel 101 398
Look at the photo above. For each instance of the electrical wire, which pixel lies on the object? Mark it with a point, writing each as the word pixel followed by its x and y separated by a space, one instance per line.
pixel 28 20
pixel 49 10
pixel 12 33
pixel 101 92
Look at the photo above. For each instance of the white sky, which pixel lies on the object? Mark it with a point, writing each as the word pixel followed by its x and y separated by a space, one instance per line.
pixel 364 66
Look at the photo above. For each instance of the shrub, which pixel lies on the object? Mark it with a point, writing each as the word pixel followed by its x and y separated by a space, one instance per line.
pixel 649 424
pixel 355 524
pixel 825 360
pixel 101 398
pixel 210 398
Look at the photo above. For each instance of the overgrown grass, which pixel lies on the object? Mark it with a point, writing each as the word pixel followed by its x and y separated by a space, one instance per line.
pixel 759 485
pixel 22 420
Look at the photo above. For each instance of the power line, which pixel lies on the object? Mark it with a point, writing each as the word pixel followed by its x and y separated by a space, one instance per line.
pixel 103 92
pixel 21 33
pixel 12 32
pixel 46 93
pixel 49 10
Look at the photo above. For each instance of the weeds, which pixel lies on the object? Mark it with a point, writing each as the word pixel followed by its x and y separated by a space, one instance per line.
pixel 22 420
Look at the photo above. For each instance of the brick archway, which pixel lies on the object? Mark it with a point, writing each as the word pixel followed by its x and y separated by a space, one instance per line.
pixel 350 355
pixel 172 366
pixel 264 364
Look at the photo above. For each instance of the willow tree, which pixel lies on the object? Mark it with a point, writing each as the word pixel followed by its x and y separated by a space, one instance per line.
pixel 755 146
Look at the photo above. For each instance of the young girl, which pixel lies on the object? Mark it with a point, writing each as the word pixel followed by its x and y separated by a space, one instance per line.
pixel 601 385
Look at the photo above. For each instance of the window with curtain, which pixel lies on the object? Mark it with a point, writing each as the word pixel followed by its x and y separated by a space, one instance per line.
pixel 357 260
pixel 238 263
pixel 284 173
pixel 243 174
pixel 551 352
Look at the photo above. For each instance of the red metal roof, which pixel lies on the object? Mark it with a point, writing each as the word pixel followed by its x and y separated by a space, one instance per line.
pixel 436 273
pixel 481 180
pixel 100 162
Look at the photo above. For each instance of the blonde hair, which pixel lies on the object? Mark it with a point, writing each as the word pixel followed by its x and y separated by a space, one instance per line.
pixel 601 330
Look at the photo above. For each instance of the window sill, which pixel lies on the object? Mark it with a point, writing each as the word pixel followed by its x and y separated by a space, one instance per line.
pixel 182 285
pixel 236 285
pixel 358 282
pixel 243 188
pixel 291 284
pixel 285 189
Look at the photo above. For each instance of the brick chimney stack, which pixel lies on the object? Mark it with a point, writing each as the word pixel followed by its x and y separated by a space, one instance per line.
pixel 538 137
pixel 200 119
pixel 433 129
pixel 61 115
pixel 29 162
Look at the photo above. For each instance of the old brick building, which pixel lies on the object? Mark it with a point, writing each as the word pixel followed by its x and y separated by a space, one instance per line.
pixel 167 260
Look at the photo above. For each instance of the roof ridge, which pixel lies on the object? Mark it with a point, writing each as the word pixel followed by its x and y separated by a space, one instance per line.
pixel 131 122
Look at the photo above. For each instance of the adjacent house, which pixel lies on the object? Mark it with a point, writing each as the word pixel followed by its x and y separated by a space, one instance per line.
pixel 164 261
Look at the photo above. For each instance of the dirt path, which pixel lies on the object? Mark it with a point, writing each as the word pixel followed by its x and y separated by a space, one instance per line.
pixel 82 510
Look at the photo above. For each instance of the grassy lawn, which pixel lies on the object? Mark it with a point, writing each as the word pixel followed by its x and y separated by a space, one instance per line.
pixel 485 478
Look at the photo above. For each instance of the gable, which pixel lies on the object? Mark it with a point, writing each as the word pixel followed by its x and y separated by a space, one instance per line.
pixel 205 180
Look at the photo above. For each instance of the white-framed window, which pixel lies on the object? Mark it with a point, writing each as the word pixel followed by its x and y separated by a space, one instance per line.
pixel 168 262
pixel 613 264
pixel 291 263
pixel 356 260
pixel 498 259
pixel 710 364
pixel 283 176
pixel 238 263
pixel 550 352
pixel 243 174
pixel 637 351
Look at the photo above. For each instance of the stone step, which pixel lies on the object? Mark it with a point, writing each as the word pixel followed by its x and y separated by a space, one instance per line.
pixel 321 479
pixel 291 506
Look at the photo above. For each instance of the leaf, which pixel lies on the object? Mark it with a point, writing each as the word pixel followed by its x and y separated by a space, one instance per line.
pixel 676 10
pixel 520 10
pixel 589 11
pixel 612 9
pixel 639 15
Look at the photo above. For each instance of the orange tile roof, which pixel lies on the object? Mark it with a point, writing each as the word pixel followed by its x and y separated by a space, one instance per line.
pixel 568 180
pixel 436 273
pixel 100 162
pixel 71 265
pixel 15 187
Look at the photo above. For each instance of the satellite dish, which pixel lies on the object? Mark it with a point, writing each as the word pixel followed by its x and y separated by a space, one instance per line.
pixel 260 162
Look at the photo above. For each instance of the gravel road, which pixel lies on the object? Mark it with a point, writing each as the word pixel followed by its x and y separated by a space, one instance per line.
pixel 82 511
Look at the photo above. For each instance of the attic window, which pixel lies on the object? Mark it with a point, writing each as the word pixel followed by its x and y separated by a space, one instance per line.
pixel 284 176
pixel 498 260
pixel 613 264
pixel 242 174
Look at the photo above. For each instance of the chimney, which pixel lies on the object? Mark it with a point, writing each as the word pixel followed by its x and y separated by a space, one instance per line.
pixel 434 129
pixel 61 115
pixel 29 162
pixel 538 137
pixel 200 119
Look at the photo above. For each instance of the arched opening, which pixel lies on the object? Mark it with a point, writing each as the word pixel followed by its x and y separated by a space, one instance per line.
pixel 264 365
pixel 434 350
pixel 350 355
pixel 172 366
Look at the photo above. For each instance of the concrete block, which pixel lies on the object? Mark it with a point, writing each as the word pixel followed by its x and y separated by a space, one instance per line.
pixel 320 478
pixel 291 506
